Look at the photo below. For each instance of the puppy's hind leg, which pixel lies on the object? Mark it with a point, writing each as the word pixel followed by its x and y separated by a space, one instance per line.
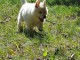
pixel 19 26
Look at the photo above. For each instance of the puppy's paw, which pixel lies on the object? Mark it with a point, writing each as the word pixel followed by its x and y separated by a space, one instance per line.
pixel 20 29
pixel 40 30
pixel 30 33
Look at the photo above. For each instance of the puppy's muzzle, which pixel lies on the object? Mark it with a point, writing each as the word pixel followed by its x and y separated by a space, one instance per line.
pixel 42 19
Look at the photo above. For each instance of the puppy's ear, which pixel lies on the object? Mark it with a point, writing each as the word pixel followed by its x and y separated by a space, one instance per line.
pixel 37 3
pixel 44 3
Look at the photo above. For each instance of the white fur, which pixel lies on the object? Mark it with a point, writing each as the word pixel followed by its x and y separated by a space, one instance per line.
pixel 29 14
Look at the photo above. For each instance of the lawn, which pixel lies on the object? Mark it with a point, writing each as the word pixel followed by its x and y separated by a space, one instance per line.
pixel 60 39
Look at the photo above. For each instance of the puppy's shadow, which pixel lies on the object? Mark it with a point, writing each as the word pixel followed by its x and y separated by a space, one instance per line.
pixel 33 34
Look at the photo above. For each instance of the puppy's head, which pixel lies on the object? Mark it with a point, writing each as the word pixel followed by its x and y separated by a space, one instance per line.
pixel 41 10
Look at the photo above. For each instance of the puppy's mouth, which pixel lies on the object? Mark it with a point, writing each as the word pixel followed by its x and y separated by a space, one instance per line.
pixel 41 19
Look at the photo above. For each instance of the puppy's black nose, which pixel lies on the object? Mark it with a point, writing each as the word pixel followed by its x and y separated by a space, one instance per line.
pixel 44 16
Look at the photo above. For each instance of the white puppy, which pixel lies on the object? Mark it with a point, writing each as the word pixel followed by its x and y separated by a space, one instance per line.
pixel 33 14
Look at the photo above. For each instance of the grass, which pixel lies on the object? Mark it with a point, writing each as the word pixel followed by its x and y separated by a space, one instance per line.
pixel 61 37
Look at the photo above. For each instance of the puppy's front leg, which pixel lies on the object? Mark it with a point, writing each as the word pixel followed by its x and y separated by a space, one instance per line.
pixel 19 26
pixel 40 26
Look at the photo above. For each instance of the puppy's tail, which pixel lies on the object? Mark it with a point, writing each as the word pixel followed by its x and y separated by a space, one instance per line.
pixel 23 1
